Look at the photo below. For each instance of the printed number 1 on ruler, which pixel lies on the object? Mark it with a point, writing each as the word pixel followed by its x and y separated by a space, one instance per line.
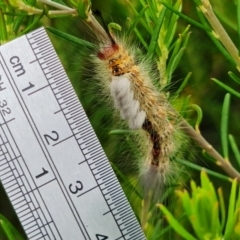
pixel 52 166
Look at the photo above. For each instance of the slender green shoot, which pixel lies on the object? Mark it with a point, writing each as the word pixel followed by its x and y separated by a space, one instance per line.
pixel 199 116
pixel 235 149
pixel 224 125
pixel 234 77
pixel 226 87
pixel 155 35
pixel 231 212
pixel 71 38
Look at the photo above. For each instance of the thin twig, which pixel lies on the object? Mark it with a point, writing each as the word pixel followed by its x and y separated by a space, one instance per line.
pixel 201 142
pixel 220 32
pixel 57 5
pixel 61 12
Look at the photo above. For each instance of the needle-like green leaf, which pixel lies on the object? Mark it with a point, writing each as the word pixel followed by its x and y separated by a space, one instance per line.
pixel 10 232
pixel 191 21
pixel 155 34
pixel 141 20
pixel 235 149
pixel 208 171
pixel 222 208
pixel 231 212
pixel 71 38
pixel 174 63
pixel 184 83
pixel 136 20
pixel 175 224
pixel 234 77
pixel 230 90
pixel 121 132
pixel 224 125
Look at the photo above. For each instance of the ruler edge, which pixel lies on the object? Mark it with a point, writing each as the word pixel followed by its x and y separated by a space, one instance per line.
pixel 43 31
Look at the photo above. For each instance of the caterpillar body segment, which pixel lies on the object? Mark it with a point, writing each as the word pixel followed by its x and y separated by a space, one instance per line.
pixel 124 101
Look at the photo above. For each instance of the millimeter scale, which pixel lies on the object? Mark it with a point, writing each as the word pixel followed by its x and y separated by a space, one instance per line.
pixel 52 165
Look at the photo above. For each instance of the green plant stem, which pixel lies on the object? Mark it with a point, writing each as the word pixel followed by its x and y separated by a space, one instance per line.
pixel 57 5
pixel 221 34
pixel 220 161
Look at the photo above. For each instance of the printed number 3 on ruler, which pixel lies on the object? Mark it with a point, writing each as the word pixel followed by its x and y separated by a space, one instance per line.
pixel 52 166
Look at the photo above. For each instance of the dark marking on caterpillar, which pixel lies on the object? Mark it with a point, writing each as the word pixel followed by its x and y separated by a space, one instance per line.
pixel 155 138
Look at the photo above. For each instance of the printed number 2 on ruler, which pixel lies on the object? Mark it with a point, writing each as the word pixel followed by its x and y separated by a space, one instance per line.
pixel 52 166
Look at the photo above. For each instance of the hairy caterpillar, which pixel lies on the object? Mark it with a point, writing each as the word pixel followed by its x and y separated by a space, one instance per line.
pixel 145 109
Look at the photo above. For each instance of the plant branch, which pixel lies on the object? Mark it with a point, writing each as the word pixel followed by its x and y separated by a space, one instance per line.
pixel 61 8
pixel 57 5
pixel 220 32
pixel 198 138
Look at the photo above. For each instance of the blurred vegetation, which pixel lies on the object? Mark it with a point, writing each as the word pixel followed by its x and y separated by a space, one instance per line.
pixel 205 60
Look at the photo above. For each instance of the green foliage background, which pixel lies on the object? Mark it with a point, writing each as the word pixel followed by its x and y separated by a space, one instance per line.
pixel 201 57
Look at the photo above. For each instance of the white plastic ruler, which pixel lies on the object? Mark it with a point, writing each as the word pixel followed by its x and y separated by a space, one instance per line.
pixel 52 165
